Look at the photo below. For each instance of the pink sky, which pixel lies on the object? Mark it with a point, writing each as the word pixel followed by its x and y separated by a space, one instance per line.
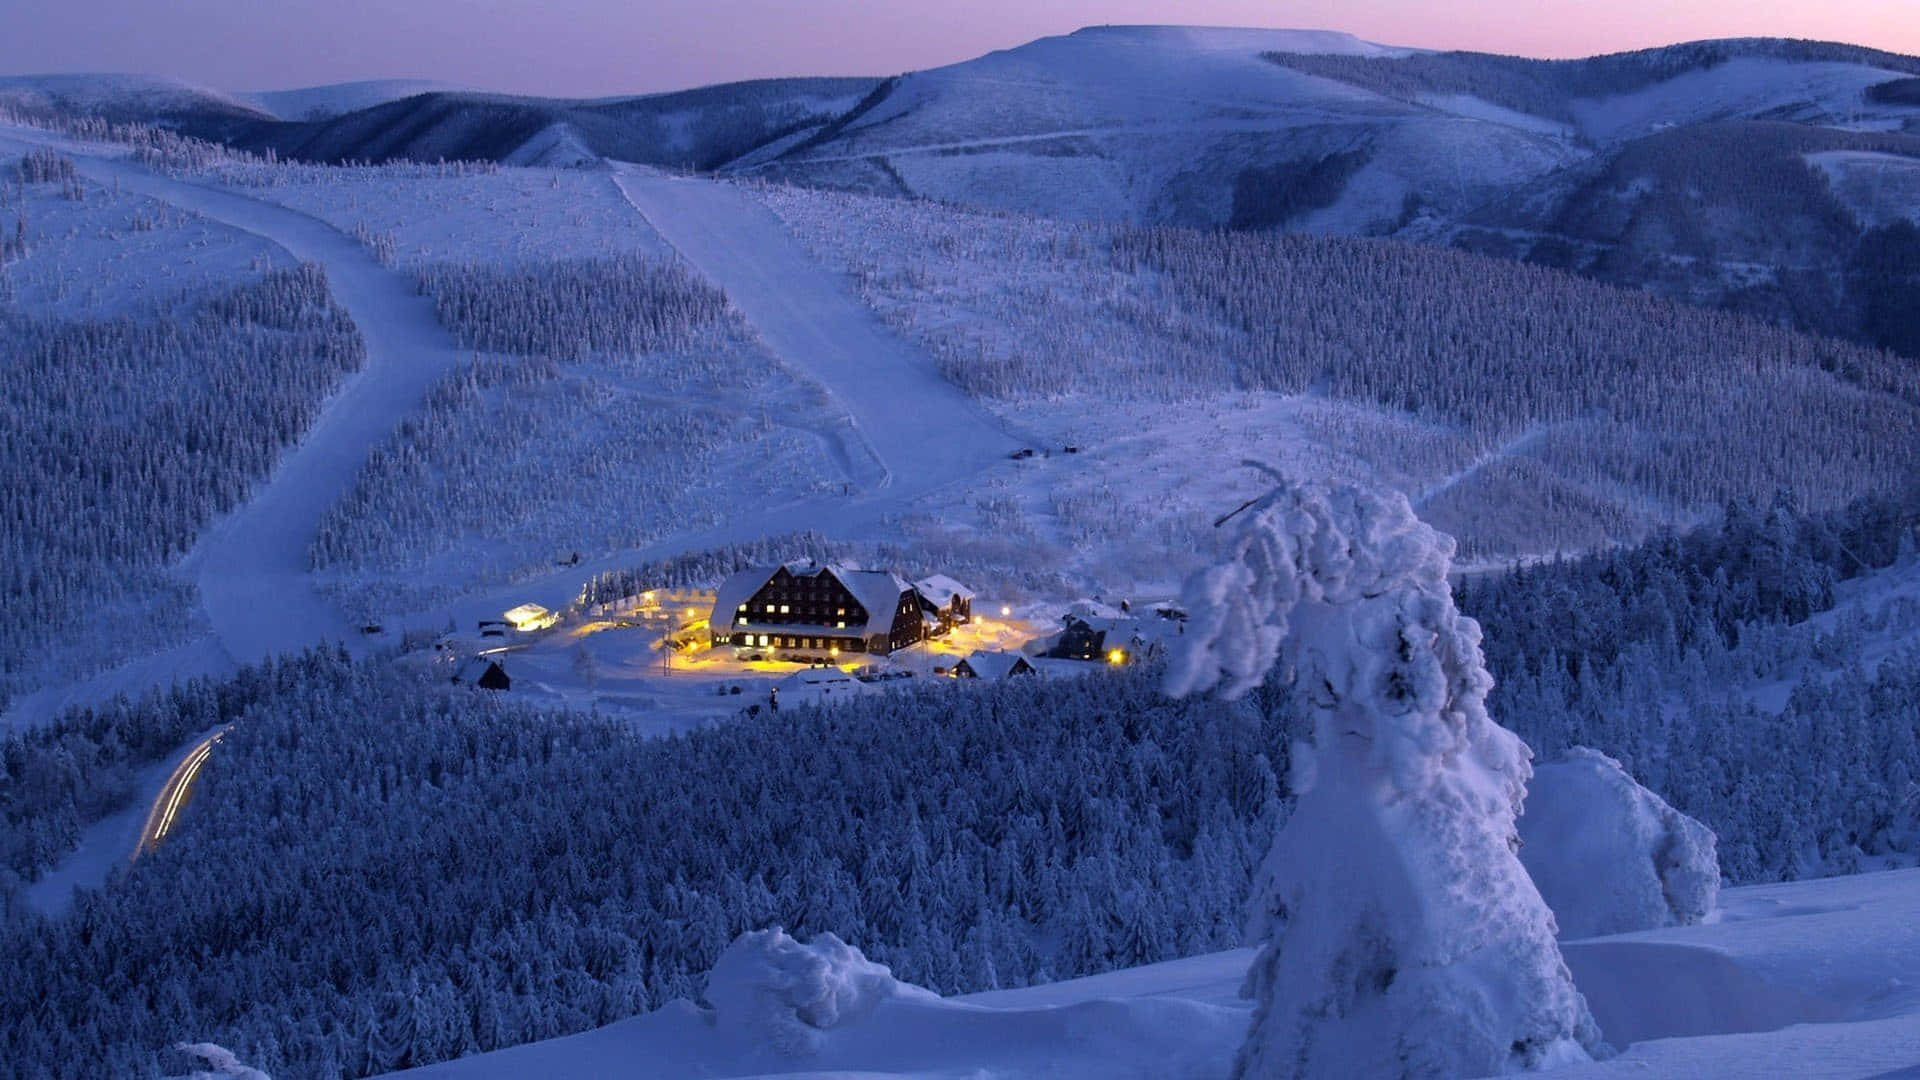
pixel 592 47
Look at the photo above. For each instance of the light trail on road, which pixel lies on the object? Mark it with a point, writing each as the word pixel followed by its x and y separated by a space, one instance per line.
pixel 173 794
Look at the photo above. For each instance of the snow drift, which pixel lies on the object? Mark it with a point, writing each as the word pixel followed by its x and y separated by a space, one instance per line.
pixel 215 1062
pixel 1403 937
pixel 772 990
pixel 1610 856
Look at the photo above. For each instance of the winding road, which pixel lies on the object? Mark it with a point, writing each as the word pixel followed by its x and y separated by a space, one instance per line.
pixel 174 793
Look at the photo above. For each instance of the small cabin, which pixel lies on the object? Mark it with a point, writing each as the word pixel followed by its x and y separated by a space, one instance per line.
pixel 485 673
pixel 944 602
pixel 1086 638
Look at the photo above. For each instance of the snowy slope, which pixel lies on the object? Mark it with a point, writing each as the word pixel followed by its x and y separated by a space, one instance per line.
pixel 123 97
pixel 1877 188
pixel 251 567
pixel 337 99
pixel 1807 979
pixel 1159 123
pixel 913 421
pixel 1746 88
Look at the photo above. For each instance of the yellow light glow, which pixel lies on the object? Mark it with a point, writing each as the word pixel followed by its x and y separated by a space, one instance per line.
pixel 1116 656
pixel 530 617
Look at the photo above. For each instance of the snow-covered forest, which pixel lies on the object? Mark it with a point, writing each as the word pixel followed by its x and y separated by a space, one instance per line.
pixel 608 401
pixel 480 836
pixel 1080 825
pixel 127 436
pixel 1604 408
pixel 1697 662
pixel 458 211
pixel 1547 87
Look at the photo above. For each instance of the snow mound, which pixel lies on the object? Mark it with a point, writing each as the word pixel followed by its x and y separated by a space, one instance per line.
pixel 217 1061
pixel 1610 856
pixel 1403 937
pixel 1643 990
pixel 772 990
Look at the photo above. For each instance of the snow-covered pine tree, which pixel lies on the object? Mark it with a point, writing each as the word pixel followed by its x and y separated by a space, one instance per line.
pixel 1403 937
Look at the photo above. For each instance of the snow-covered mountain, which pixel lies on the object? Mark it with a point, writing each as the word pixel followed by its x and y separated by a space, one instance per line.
pixel 1167 124
pixel 338 99
pixel 125 97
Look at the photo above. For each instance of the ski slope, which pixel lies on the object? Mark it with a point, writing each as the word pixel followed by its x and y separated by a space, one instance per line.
pixel 251 567
pixel 912 421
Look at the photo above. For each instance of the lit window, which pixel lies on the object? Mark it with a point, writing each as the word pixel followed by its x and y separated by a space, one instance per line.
pixel 769 609
pixel 763 641
pixel 783 609
pixel 841 611
pixel 841 625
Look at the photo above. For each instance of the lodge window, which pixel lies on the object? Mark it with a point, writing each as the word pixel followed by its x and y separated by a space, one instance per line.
pixel 783 609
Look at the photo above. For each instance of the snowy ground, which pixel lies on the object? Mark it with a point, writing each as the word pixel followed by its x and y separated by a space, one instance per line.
pixel 1880 189
pixel 436 213
pixel 113 251
pixel 1808 979
pixel 1824 93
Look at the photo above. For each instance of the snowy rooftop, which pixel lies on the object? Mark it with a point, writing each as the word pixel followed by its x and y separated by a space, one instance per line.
pixel 878 591
pixel 941 589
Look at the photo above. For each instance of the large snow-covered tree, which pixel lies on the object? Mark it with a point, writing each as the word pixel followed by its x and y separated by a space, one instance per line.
pixel 1402 935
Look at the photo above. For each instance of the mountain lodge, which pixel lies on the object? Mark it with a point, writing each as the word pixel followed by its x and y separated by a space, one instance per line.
pixel 813 611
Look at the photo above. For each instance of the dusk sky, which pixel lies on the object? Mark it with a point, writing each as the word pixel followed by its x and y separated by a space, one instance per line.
pixel 594 47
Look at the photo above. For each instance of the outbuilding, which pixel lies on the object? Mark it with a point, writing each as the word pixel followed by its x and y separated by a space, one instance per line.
pixel 485 673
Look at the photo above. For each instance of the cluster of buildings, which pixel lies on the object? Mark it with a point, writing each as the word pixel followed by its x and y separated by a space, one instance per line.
pixel 810 611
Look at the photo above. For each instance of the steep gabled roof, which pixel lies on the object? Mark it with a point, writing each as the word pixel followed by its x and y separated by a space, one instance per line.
pixel 878 591
pixel 737 589
pixel 997 665
pixel 477 668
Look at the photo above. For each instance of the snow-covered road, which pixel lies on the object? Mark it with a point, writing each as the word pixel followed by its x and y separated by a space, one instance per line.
pixel 915 423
